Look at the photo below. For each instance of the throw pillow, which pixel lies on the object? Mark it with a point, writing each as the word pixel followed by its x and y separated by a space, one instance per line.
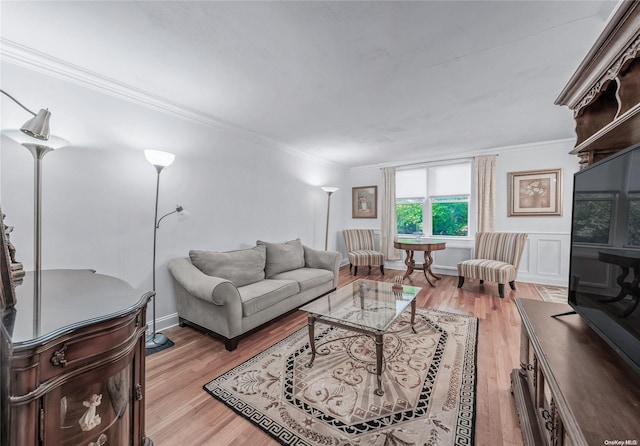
pixel 283 257
pixel 241 267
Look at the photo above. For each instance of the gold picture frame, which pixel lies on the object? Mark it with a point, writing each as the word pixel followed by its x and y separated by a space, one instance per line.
pixel 535 193
pixel 364 202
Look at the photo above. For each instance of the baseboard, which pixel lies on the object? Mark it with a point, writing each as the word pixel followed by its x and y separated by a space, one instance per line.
pixel 164 322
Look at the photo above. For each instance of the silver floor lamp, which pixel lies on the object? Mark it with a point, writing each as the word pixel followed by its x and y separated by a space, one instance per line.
pixel 329 190
pixel 37 129
pixel 159 160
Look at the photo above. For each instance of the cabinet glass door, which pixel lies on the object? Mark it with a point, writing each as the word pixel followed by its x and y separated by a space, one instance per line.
pixel 93 410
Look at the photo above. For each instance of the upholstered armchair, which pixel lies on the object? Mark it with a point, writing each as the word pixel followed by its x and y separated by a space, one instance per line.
pixel 497 259
pixel 361 250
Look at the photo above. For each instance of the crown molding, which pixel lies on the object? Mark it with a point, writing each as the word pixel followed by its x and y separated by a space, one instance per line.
pixel 20 55
pixel 466 155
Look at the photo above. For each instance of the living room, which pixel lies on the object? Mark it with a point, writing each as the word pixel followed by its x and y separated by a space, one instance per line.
pixel 251 159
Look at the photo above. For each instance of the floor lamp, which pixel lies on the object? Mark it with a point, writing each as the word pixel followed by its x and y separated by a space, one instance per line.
pixel 159 160
pixel 37 129
pixel 329 190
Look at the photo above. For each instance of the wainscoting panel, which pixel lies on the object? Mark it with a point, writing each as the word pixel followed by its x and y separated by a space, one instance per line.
pixel 546 259
pixel 447 260
pixel 549 257
pixel 525 260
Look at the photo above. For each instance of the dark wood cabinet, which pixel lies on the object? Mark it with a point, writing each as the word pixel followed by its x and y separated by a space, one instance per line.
pixel 76 376
pixel 604 92
pixel 571 389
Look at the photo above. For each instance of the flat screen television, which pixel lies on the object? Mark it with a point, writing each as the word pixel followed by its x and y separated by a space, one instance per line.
pixel 604 271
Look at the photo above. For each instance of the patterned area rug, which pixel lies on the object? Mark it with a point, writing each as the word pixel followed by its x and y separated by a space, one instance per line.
pixel 429 384
pixel 550 293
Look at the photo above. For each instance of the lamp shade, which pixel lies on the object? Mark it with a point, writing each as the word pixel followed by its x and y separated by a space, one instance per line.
pixel 54 142
pixel 38 126
pixel 329 189
pixel 159 158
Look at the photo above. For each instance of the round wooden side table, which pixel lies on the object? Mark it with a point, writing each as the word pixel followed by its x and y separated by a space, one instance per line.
pixel 425 245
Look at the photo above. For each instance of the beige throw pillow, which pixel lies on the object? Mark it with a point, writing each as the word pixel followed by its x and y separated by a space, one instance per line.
pixel 241 267
pixel 283 257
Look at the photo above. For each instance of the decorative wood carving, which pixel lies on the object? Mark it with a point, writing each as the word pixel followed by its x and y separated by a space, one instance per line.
pixel 604 92
pixel 58 358
pixel 7 290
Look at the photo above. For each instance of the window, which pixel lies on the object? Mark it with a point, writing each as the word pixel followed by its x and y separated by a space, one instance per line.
pixel 434 200
pixel 592 217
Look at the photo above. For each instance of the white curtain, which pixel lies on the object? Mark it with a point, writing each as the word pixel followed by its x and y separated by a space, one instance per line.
pixel 389 225
pixel 485 175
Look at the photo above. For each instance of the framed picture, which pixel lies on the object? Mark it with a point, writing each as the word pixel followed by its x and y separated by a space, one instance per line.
pixel 364 202
pixel 535 192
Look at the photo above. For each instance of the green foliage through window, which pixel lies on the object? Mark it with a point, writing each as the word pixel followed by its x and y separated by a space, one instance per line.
pixel 409 215
pixel 450 216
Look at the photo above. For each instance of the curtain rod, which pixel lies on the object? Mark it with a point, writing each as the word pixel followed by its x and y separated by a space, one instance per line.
pixel 417 163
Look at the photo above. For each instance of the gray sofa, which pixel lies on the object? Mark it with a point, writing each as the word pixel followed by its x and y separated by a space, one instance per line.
pixel 229 294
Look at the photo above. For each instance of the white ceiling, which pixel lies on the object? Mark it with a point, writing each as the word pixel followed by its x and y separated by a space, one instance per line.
pixel 355 82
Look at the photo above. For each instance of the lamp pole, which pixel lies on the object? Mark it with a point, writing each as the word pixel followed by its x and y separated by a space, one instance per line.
pixel 159 160
pixel 38 151
pixel 156 339
pixel 329 190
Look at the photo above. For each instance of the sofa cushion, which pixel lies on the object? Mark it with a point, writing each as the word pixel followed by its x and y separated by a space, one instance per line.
pixel 242 267
pixel 307 278
pixel 264 294
pixel 283 257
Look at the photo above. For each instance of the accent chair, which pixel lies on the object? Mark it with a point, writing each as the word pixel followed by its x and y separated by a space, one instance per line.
pixel 361 250
pixel 497 259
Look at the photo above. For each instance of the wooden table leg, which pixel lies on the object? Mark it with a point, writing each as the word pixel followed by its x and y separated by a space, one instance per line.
pixel 409 262
pixel 426 268
pixel 312 341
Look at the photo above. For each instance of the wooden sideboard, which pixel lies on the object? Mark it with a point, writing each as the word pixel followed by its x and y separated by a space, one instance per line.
pixel 77 374
pixel 604 92
pixel 571 387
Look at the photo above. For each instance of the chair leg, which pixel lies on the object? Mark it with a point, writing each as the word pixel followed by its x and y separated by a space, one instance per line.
pixel 512 284
pixel 369 269
pixel 382 269
pixel 355 270
pixel 350 266
pixel 501 290
pixel 460 281
pixel 481 281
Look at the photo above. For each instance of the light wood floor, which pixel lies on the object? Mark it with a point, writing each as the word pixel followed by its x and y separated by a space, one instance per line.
pixel 180 412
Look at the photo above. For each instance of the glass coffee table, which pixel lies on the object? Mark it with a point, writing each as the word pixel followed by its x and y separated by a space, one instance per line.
pixel 364 306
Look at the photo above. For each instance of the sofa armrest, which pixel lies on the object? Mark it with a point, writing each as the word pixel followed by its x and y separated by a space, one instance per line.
pixel 216 290
pixel 329 260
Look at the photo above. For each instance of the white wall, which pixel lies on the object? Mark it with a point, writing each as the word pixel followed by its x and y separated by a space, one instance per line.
pixel 98 193
pixel 546 256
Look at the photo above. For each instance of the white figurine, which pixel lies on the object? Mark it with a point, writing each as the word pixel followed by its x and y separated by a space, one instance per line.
pixel 90 419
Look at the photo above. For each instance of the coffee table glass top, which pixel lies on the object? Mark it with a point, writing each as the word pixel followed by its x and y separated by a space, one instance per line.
pixel 365 303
